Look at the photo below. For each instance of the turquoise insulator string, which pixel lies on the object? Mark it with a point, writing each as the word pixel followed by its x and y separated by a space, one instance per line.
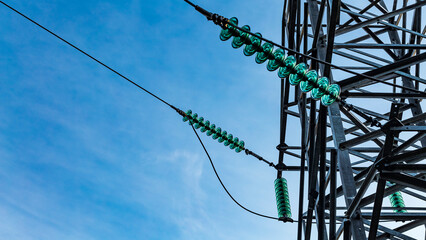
pixel 397 202
pixel 282 197
pixel 309 80
pixel 213 131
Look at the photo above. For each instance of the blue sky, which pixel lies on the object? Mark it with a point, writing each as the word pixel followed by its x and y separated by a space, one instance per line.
pixel 85 155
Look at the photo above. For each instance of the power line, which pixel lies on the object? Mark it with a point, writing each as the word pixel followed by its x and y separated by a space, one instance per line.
pixel 248 152
pixel 221 183
pixel 179 111
pixel 190 3
pixel 88 55
pixel 222 21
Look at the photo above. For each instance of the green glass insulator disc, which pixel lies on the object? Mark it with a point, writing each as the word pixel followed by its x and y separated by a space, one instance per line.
pixel 223 136
pixel 217 133
pixel 396 199
pixel 228 140
pixel 254 46
pixel 206 126
pixel 284 211
pixel 211 130
pixel 310 81
pixel 333 94
pixel 234 143
pixel 319 91
pixel 243 38
pixel 279 181
pixel 397 203
pixel 277 62
pixel 397 194
pixel 265 53
pixel 281 189
pixel 283 206
pixel 193 119
pixel 299 73
pixel 288 68
pixel 334 91
pixel 288 212
pixel 199 123
pixel 240 146
pixel 229 31
pixel 188 114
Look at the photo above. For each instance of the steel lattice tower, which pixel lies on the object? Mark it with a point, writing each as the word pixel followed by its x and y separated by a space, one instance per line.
pixel 362 149
pixel 359 152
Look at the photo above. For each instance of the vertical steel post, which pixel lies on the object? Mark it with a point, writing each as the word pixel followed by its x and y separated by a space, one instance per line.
pixel 303 140
pixel 285 92
pixel 333 185
pixel 322 126
pixel 347 230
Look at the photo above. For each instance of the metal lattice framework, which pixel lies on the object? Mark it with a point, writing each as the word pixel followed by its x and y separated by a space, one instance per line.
pixel 363 144
pixel 372 144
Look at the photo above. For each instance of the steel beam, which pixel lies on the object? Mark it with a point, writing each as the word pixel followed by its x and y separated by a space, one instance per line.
pixel 379 46
pixel 395 188
pixel 419 168
pixel 391 232
pixel 359 81
pixel 377 19
pixel 403 228
pixel 377 209
pixel 382 95
pixel 375 64
pixel 397 216
pixel 333 185
pixel 375 134
pixel 408 157
pixel 369 32
pixel 358 197
pixel 361 12
pixel 405 180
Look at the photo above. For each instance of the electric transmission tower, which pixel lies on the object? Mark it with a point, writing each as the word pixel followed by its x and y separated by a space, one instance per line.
pixel 351 73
